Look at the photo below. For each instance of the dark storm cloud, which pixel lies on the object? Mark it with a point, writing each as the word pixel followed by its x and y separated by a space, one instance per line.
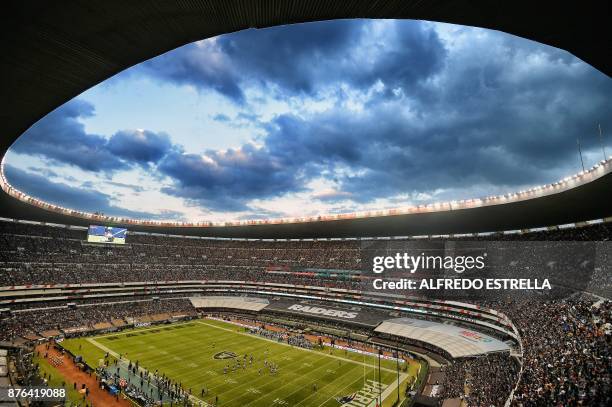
pixel 61 137
pixel 408 54
pixel 285 54
pixel 227 180
pixel 84 199
pixel 141 146
pixel 500 114
pixel 290 57
pixel 510 134
pixel 190 65
pixel 299 59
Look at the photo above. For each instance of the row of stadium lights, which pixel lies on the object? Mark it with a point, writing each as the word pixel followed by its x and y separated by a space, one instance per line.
pixel 568 182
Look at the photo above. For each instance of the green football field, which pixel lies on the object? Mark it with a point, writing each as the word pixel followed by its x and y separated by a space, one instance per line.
pixel 186 353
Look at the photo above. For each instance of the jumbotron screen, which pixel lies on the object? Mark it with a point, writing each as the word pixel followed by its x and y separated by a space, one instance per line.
pixel 106 234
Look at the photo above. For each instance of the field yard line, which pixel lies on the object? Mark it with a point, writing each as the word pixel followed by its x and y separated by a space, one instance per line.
pixel 116 355
pixel 213 388
pixel 104 348
pixel 328 384
pixel 286 369
pixel 251 383
pixel 168 357
pixel 387 391
pixel 286 344
pixel 288 383
pixel 132 330
pixel 390 389
pixel 325 402
pixel 325 365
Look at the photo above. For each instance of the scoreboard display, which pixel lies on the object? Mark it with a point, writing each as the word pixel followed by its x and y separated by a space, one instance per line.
pixel 106 234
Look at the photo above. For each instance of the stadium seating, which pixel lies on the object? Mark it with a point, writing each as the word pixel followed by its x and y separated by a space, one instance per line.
pixel 565 343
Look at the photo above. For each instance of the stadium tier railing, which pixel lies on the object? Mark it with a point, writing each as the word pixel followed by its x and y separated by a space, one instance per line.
pixel 453 310
pixel 600 169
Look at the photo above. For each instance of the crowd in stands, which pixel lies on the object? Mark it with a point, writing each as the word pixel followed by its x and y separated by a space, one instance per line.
pixel 481 382
pixel 593 232
pixel 35 323
pixel 291 339
pixel 566 342
pixel 566 358
pixel 62 256
pixel 28 257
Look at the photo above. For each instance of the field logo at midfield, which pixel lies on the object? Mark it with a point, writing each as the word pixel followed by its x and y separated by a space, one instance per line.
pixel 225 355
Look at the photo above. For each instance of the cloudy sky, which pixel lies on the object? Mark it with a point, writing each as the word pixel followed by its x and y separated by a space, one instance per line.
pixel 316 118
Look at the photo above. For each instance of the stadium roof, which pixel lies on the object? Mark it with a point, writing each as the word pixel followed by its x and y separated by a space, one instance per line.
pixel 458 342
pixel 568 201
pixel 239 303
pixel 51 54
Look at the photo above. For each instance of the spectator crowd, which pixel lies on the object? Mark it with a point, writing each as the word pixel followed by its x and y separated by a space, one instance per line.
pixel 566 359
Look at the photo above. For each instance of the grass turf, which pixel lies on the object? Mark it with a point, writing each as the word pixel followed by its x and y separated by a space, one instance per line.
pixel 73 397
pixel 185 353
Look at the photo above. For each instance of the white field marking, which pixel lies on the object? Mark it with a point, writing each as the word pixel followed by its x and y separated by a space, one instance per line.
pixel 322 391
pixel 240 333
pixel 141 369
pixel 390 389
pixel 288 383
pixel 286 370
pixel 373 401
pixel 220 384
pixel 286 344
pixel 335 395
pixel 221 345
pixel 292 382
pixel 319 391
pixel 228 343
pixel 128 331
pixel 176 349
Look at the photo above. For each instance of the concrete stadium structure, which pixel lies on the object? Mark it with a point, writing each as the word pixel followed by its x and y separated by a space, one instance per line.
pixel 52 54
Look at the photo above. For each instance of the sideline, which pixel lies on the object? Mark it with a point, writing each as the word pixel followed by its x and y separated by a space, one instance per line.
pixel 140 368
pixel 286 344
